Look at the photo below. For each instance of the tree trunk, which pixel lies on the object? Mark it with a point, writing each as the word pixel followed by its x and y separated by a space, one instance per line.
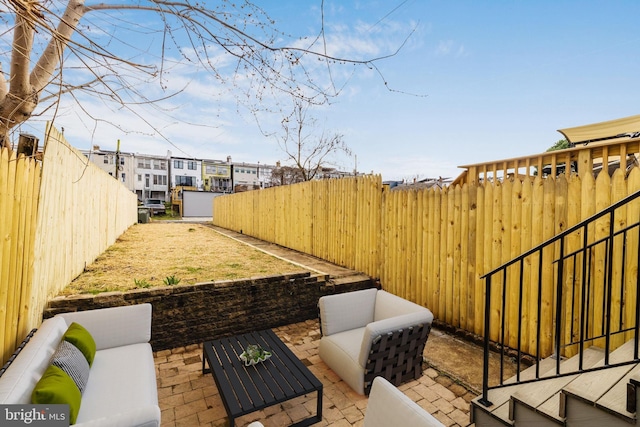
pixel 20 98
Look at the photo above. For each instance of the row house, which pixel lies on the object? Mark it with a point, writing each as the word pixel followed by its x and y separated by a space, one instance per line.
pixel 216 176
pixel 151 180
pixel 186 172
pixel 154 177
pixel 250 176
pixel 245 177
pixel 117 164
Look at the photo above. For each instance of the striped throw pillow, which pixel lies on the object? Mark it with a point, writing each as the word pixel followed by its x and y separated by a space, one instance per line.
pixel 71 360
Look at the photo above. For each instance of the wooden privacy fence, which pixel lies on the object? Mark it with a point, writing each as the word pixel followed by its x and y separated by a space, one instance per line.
pixel 56 219
pixel 19 190
pixel 337 220
pixel 430 246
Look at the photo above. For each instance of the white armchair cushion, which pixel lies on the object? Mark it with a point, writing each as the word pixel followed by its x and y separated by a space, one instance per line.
pixel 115 326
pixel 389 305
pixel 341 351
pixel 388 406
pixel 381 327
pixel 350 310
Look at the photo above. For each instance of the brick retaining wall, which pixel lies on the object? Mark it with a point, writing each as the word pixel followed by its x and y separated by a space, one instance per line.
pixel 190 314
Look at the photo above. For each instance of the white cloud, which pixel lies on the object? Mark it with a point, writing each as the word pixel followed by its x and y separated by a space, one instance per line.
pixel 450 47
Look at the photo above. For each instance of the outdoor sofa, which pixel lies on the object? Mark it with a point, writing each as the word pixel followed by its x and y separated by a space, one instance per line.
pixel 372 333
pixel 120 389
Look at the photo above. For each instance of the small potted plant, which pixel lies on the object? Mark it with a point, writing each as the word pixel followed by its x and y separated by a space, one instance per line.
pixel 254 354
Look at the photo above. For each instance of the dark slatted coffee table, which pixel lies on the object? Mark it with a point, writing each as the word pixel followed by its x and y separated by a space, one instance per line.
pixel 245 389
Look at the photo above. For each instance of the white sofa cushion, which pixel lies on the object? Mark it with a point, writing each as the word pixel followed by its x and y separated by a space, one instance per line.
pixel 115 326
pixel 342 312
pixel 388 406
pixel 26 370
pixel 341 352
pixel 110 390
pixel 143 416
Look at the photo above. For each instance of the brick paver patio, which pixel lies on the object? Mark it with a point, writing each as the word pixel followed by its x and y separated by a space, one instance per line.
pixel 189 398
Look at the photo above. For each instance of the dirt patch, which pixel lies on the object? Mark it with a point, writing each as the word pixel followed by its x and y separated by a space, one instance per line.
pixel 156 254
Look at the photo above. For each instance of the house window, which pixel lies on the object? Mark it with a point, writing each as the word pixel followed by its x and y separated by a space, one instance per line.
pixel 159 180
pixel 178 164
pixel 187 181
pixel 123 177
pixel 122 161
pixel 192 165
pixel 139 178
pixel 146 180
pixel 106 160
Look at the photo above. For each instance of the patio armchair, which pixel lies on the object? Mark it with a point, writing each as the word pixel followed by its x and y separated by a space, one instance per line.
pixel 372 333
pixel 388 406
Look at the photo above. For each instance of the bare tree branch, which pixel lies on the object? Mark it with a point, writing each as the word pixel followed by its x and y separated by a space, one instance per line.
pixel 242 31
pixel 308 152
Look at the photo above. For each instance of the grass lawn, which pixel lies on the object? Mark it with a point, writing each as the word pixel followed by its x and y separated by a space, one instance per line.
pixel 160 254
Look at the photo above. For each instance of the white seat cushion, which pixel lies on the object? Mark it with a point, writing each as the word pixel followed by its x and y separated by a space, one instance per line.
pixel 110 389
pixel 341 352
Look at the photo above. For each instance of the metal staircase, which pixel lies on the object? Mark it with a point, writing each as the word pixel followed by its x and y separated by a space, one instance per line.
pixel 574 301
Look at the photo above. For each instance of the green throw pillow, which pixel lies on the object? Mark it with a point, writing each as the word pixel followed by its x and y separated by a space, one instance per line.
pixel 82 339
pixel 56 387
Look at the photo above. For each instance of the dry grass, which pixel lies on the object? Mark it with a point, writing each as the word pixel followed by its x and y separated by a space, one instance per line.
pixel 147 254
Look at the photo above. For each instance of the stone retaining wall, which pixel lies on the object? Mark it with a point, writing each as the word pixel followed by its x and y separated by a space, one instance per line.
pixel 191 314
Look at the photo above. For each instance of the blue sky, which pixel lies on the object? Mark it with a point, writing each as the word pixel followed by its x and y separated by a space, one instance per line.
pixel 476 81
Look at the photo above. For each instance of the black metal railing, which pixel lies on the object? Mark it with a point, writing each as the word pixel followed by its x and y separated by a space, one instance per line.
pixel 577 289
